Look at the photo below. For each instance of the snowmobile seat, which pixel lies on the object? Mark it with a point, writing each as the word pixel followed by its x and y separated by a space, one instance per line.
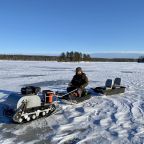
pixel 117 83
pixel 109 84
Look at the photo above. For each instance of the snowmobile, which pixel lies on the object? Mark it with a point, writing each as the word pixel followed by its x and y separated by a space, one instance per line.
pixel 27 106
pixel 111 88
pixel 24 108
pixel 72 97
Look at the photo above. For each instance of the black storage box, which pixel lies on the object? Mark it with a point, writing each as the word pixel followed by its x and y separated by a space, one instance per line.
pixel 30 90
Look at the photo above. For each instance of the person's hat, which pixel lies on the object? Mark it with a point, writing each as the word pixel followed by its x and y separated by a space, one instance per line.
pixel 78 69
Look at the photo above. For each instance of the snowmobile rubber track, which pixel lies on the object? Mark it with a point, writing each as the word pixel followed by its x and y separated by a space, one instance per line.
pixel 31 113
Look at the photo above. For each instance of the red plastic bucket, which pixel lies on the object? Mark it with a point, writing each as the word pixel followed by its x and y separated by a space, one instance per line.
pixel 48 96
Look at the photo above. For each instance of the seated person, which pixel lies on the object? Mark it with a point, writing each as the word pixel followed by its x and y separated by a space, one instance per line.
pixel 79 82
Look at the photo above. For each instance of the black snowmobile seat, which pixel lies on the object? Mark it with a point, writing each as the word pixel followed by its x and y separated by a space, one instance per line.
pixel 117 83
pixel 109 84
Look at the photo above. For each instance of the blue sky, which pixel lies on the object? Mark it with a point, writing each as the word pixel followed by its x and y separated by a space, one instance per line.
pixel 54 26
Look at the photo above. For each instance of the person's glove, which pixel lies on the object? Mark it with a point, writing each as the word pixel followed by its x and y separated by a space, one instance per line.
pixel 81 87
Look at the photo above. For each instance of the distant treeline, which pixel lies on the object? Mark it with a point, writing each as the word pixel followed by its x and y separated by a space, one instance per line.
pixel 28 57
pixel 74 56
pixel 65 57
pixel 114 59
pixel 141 59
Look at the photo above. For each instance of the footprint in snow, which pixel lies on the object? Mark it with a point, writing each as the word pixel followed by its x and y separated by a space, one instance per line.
pixel 80 109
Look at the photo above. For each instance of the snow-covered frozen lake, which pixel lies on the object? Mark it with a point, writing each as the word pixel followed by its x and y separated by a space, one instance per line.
pixel 117 119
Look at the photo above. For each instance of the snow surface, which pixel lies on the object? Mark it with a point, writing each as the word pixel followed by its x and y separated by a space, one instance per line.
pixel 117 119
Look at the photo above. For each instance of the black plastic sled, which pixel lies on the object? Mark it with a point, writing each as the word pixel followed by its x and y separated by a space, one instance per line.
pixel 74 99
pixel 110 88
